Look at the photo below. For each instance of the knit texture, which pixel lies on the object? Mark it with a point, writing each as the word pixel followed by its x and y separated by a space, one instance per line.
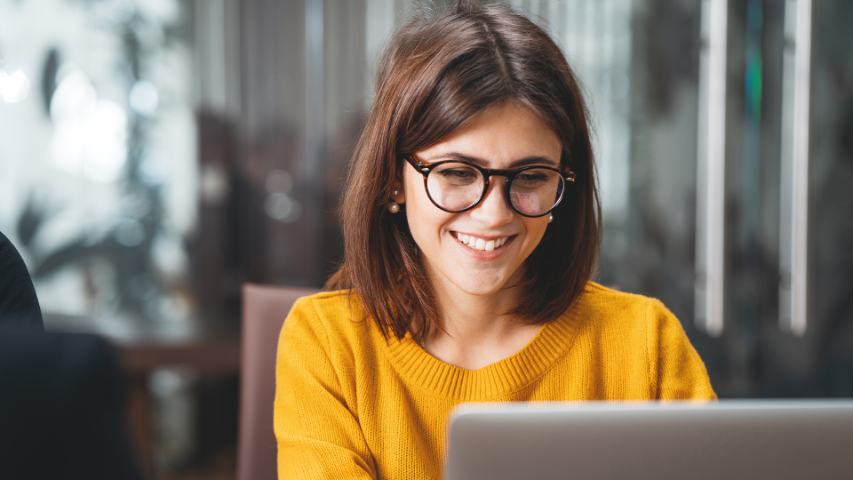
pixel 352 404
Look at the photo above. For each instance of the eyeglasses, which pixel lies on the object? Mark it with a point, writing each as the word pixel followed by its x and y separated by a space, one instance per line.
pixel 456 186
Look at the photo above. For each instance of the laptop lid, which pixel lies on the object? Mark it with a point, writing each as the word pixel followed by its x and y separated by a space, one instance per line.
pixel 591 441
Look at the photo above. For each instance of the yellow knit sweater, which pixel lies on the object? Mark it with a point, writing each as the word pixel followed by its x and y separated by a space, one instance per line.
pixel 351 404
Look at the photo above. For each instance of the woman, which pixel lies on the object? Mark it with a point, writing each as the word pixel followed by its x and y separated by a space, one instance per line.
pixel 471 229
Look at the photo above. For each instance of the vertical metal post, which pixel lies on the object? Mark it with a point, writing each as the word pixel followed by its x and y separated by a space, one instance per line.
pixel 711 165
pixel 315 121
pixel 794 193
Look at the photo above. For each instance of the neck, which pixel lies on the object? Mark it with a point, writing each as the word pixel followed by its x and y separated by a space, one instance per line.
pixel 471 317
pixel 477 330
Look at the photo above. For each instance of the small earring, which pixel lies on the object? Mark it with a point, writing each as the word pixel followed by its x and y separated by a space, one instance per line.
pixel 394 207
pixel 550 217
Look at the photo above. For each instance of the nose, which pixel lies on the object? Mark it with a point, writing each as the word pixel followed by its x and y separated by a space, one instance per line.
pixel 493 209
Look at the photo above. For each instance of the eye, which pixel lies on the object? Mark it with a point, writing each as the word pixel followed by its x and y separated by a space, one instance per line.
pixel 457 173
pixel 533 178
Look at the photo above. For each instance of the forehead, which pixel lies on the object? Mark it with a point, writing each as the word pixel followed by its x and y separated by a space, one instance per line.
pixel 500 134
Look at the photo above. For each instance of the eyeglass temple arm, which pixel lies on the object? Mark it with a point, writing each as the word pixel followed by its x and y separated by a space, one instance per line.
pixel 422 169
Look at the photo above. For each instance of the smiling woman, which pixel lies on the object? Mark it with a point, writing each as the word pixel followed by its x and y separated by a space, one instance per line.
pixel 471 226
pixel 476 284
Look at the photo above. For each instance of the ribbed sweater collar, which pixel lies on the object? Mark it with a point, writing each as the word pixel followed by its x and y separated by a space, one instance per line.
pixel 513 373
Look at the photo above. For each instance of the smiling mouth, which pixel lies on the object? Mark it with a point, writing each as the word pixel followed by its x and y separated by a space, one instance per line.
pixel 482 244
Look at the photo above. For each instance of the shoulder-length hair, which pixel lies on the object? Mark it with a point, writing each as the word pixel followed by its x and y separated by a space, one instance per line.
pixel 437 73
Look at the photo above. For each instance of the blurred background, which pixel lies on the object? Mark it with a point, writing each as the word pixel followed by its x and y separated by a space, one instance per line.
pixel 157 154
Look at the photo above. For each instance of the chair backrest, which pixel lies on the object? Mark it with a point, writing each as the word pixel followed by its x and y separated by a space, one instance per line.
pixel 264 310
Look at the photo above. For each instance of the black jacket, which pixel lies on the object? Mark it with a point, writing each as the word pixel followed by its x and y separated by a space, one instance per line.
pixel 19 306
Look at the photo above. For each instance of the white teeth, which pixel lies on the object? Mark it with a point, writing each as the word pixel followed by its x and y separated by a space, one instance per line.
pixel 481 244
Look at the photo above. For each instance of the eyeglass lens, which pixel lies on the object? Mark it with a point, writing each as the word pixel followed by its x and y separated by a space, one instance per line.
pixel 456 186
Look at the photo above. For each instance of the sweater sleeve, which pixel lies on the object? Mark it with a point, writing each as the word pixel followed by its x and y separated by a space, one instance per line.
pixel 679 371
pixel 317 433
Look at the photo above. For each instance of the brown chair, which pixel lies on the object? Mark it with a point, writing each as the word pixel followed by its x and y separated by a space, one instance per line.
pixel 264 310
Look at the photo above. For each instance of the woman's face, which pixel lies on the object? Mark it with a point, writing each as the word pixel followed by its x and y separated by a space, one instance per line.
pixel 498 137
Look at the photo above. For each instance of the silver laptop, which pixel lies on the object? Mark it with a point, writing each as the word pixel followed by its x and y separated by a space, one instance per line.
pixel 590 441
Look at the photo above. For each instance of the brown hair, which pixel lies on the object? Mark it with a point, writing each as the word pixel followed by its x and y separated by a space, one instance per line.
pixel 437 73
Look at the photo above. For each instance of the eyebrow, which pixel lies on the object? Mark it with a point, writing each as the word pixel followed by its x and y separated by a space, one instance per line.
pixel 531 160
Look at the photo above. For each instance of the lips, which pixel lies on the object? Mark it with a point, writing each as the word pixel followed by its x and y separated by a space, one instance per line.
pixel 484 244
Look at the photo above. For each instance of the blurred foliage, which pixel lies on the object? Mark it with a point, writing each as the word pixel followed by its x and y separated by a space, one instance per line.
pixel 127 247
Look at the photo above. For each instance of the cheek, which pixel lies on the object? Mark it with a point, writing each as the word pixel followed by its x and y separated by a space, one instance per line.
pixel 426 222
pixel 425 219
pixel 536 229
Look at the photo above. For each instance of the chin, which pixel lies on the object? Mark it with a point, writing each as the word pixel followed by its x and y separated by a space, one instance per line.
pixel 481 292
pixel 479 288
